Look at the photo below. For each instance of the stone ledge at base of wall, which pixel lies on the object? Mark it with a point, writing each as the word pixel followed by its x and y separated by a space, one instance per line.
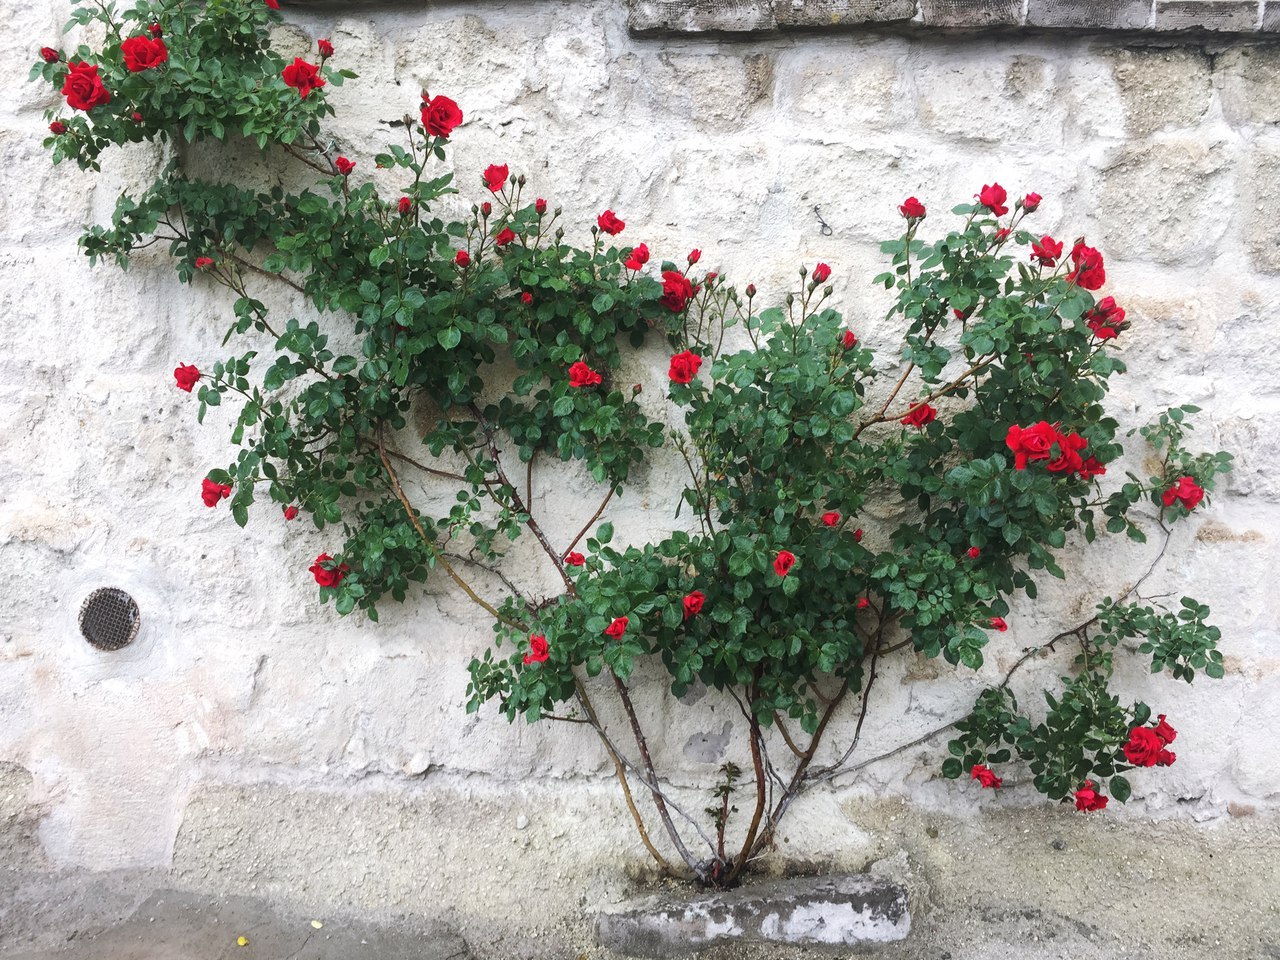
pixel 834 911
pixel 743 17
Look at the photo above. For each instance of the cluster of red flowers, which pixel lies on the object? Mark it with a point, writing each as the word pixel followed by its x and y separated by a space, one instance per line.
pixel 327 572
pixel 1186 492
pixel 1147 746
pixel 1106 320
pixel 1038 442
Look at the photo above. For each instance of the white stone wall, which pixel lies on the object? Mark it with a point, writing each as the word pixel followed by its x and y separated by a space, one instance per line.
pixel 241 686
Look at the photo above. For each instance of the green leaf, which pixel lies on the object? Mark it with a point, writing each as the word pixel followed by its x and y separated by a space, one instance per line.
pixel 1120 788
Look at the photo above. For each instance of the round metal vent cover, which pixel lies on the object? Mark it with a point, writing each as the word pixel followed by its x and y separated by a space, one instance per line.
pixel 109 618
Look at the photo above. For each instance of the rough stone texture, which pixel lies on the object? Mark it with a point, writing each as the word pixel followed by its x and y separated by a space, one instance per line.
pixel 701 16
pixel 842 911
pixel 837 13
pixel 1271 17
pixel 249 733
pixel 970 13
pixel 1235 16
pixel 1093 14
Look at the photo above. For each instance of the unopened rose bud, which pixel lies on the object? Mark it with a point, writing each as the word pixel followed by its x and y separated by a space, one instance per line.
pixel 558 211
pixel 137 117
pixel 486 208
pixel 520 180
pixel 57 127
pixel 559 231
pixel 751 290
pixel 790 299
pixel 694 256
pixel 540 206
pixel 636 389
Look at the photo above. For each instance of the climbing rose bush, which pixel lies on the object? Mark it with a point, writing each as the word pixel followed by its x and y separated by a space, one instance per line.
pixel 986 438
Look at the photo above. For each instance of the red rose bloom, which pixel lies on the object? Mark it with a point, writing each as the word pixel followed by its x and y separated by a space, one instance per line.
pixel 609 223
pixel 974 553
pixel 540 206
pixel 156 30
pixel 325 48
pixel 143 53
pixel 617 628
pixel 919 417
pixel 998 624
pixel 684 367
pixel 993 198
pixel 1087 268
pixel 912 209
pixel 575 559
pixel 526 298
pixel 1091 468
pixel 137 117
pixel 344 166
pixel 848 340
pixel 58 127
pixel 405 206
pixel 863 603
pixel 783 562
pixel 539 650
pixel 581 375
pixel 329 576
pixel 1165 732
pixel 1031 201
pixel 290 512
pixel 273 4
pixel 186 376
pixel 831 518
pixel 1046 250
pixel 462 258
pixel 1031 443
pixel 1002 234
pixel 505 237
pixel 1088 799
pixel 83 87
pixel 1106 320
pixel 495 177
pixel 204 263
pixel 1186 491
pixel 303 76
pixel 440 115
pixel 1166 758
pixel 211 492
pixel 985 776
pixel 638 258
pixel 49 55
pixel 693 603
pixel 677 291
pixel 1143 747
pixel 1068 459
pixel 821 273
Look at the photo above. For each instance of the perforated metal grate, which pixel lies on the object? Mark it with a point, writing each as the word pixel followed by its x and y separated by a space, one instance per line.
pixel 109 618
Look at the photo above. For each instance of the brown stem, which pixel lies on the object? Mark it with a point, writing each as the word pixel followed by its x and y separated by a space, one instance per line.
pixel 267 273
pixel 594 517
pixel 750 840
pixel 782 729
pixel 443 474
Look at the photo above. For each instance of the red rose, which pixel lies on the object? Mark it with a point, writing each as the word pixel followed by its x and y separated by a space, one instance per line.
pixel 540 206
pixel 303 76
pixel 273 4
pixel 638 257
pixel 1068 459
pixel 440 115
pixel 156 30
pixel 831 518
pixel 693 603
pixel 344 166
pixel 1143 747
pixel 211 492
pixel 1002 234
pixel 204 263
pixel 751 290
pixel 143 53
pixel 912 209
pixel 998 624
pixel 58 127
pixel 49 55
pixel 1087 270
pixel 580 375
pixel 974 553
pixel 783 562
pixel 609 223
pixel 1165 732
pixel 405 206
pixel 857 535
pixel 1186 491
pixel 1106 320
pixel 526 298
pixel 863 603
pixel 1091 468
pixel 1031 201
pixel 325 48
pixel 186 376
pixel 1031 443
pixel 694 256
pixel 821 273
pixel 1166 758
pixel 328 576
pixel 539 650
pixel 711 277
pixel 985 776
pixel 495 177
pixel 993 198
pixel 677 291
pixel 617 628
pixel 505 237
pixel 1088 799
pixel 290 512
pixel 848 340
pixel 462 258
pixel 1047 250
pixel 919 417
pixel 684 367
pixel 961 314
pixel 83 87
pixel 575 560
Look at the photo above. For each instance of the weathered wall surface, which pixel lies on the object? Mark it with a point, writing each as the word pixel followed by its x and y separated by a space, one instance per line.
pixel 240 686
